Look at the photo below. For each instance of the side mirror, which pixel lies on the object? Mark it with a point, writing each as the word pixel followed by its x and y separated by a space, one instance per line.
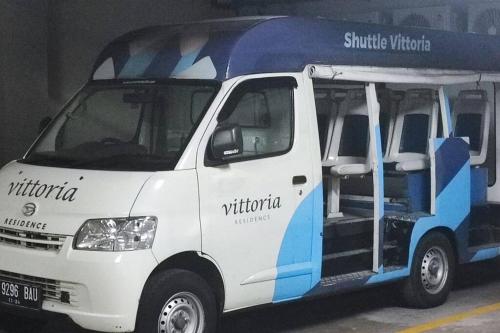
pixel 43 124
pixel 226 141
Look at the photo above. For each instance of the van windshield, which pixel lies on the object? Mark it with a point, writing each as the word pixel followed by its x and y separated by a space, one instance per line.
pixel 140 127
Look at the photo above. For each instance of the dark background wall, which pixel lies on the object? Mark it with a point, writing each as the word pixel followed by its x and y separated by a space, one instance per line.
pixel 47 48
pixel 23 74
pixel 79 29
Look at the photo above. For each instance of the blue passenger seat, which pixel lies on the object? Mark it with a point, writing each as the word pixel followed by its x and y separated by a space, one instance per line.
pixel 406 176
pixel 347 155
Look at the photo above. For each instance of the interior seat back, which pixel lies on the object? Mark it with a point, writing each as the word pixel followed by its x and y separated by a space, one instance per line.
pixel 348 151
pixel 471 118
pixel 349 146
pixel 416 123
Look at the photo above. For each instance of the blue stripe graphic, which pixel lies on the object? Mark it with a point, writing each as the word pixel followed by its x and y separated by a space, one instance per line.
pixel 299 259
pixel 452 202
pixel 186 61
pixel 451 156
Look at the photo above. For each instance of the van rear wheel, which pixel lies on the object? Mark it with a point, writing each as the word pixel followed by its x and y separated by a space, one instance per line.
pixel 432 272
pixel 177 301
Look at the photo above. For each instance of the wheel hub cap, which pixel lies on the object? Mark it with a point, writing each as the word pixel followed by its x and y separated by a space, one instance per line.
pixel 180 321
pixel 182 313
pixel 434 270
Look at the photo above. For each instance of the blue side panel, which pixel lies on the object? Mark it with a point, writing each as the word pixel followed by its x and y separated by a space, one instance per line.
pixel 449 160
pixel 438 143
pixel 299 259
pixel 185 62
pixel 287 44
pixel 418 191
pixel 452 201
pixel 452 191
pixel 485 254
pixel 137 64
pixel 452 212
pixel 317 239
pixel 479 186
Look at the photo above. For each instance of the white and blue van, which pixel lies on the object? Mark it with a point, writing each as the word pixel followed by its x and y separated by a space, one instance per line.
pixel 216 166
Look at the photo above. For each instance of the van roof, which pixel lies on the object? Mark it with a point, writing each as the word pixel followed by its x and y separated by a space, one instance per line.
pixel 224 49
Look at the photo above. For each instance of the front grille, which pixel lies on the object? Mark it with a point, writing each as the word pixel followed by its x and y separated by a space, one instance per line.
pixel 31 240
pixel 51 288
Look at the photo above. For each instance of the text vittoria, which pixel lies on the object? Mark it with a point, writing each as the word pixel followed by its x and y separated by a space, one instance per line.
pixel 242 206
pixel 32 188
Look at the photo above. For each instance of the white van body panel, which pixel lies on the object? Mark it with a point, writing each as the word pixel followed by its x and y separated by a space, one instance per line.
pixel 172 197
pixel 269 253
pixel 255 237
pixel 96 194
pixel 86 194
pixel 83 274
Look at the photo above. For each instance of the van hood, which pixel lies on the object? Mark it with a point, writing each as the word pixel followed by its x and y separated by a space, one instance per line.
pixel 58 201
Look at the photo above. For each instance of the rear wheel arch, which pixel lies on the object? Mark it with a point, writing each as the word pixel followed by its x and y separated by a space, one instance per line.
pixel 448 233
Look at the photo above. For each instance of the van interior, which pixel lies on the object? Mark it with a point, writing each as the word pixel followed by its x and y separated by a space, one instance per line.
pixel 409 116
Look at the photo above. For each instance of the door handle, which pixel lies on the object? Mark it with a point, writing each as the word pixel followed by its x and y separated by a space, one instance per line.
pixel 299 180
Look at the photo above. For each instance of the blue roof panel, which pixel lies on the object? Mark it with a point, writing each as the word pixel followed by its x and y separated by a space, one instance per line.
pixel 225 49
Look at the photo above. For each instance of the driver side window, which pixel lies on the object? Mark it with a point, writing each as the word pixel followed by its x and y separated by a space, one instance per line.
pixel 263 109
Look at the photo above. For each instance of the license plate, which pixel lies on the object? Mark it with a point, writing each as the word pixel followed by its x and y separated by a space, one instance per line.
pixel 20 294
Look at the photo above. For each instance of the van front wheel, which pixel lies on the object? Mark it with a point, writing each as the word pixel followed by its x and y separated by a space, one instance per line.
pixel 432 272
pixel 177 301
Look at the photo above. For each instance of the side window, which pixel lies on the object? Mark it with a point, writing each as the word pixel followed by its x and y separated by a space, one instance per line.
pixel 263 109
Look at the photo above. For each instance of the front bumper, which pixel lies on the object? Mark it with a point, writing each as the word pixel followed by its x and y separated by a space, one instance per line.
pixel 104 288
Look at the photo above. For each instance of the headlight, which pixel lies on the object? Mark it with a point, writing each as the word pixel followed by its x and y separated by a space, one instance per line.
pixel 117 234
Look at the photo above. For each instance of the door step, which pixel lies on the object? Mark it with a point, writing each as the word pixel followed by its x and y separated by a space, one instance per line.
pixel 349 281
pixel 347 235
pixel 344 254
pixel 346 262
pixel 334 281
pixel 483 235
pixel 478 248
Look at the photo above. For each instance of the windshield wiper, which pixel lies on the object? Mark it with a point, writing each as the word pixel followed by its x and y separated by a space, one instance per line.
pixel 44 159
pixel 126 161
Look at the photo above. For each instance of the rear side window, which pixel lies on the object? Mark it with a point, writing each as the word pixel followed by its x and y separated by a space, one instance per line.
pixel 415 134
pixel 263 108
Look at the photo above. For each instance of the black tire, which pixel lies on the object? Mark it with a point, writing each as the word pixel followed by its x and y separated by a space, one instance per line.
pixel 421 290
pixel 162 286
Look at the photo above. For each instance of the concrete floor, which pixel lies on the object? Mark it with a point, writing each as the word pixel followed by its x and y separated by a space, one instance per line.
pixel 374 310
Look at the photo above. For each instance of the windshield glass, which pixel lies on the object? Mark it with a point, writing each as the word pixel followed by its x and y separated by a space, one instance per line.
pixel 143 127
